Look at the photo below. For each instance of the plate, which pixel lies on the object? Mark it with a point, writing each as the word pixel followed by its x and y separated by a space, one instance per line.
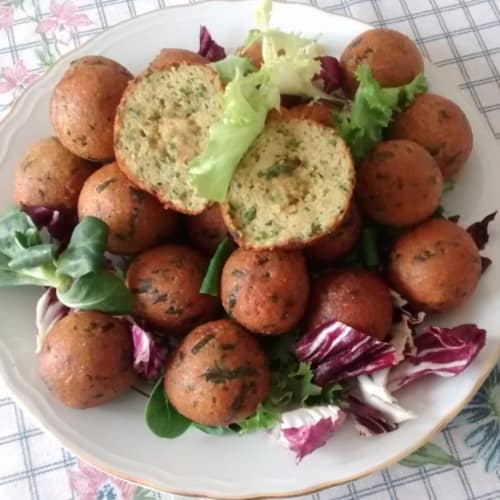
pixel 114 437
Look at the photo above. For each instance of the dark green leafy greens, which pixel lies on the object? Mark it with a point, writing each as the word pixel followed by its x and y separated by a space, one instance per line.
pixel 162 418
pixel 372 110
pixel 77 273
pixel 211 282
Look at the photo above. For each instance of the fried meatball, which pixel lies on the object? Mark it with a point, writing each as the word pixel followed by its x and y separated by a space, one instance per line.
pixel 316 111
pixel 393 58
pixel 253 52
pixel 173 57
pixel 136 220
pixel 86 359
pixel 356 297
pixel 265 291
pixel 83 106
pixel 441 127
pixel 207 230
pixel 50 176
pixel 341 241
pixel 399 184
pixel 218 374
pixel 435 266
pixel 166 285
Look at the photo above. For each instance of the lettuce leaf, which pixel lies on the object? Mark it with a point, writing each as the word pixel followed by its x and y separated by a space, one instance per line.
pixel 372 110
pixel 230 66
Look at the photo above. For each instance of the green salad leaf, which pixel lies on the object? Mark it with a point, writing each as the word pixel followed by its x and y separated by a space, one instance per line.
pixel 161 416
pixel 429 454
pixel 77 275
pixel 211 282
pixel 372 110
pixel 232 65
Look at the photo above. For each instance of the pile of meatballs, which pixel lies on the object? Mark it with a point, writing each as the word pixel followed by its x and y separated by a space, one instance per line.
pixel 218 372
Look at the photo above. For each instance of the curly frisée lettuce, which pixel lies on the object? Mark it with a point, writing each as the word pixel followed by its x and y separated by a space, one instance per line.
pixel 372 110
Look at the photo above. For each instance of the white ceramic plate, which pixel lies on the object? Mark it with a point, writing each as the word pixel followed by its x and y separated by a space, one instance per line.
pixel 114 437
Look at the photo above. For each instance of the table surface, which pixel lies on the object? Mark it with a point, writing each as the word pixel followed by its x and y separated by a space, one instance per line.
pixel 462 35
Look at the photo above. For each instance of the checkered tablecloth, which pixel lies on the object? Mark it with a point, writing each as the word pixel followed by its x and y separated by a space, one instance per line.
pixel 463 35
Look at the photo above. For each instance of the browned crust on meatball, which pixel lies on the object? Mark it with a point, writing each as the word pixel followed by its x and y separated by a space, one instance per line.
pixel 399 184
pixel 83 106
pixel 217 375
pixel 166 283
pixel 356 297
pixel 207 229
pixel 87 359
pixel 253 52
pixel 441 127
pixel 135 219
pixel 49 175
pixel 168 58
pixel 436 266
pixel 393 58
pixel 265 291
pixel 315 111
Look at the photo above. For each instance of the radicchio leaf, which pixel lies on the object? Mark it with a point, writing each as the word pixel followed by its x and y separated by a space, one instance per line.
pixel 59 223
pixel 338 352
pixel 479 230
pixel 485 263
pixel 331 74
pixel 149 354
pixel 440 351
pixel 209 48
pixel 307 429
pixel 368 421
pixel 48 312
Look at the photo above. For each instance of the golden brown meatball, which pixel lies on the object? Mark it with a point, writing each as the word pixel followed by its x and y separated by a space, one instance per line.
pixel 207 230
pixel 87 359
pixel 265 291
pixel 316 111
pixel 218 374
pixel 341 241
pixel 399 184
pixel 254 53
pixel 441 127
pixel 136 220
pixel 166 285
pixel 83 106
pixel 356 297
pixel 173 57
pixel 49 175
pixel 393 58
pixel 436 266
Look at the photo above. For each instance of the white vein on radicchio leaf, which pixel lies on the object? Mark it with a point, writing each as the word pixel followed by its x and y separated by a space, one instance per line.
pixel 339 352
pixel 58 223
pixel 209 48
pixel 439 351
pixel 48 312
pixel 304 430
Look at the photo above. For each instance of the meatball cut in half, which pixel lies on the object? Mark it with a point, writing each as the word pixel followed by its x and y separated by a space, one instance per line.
pixel 49 175
pixel 162 124
pixel 399 184
pixel 265 291
pixel 166 283
pixel 217 375
pixel 356 297
pixel 441 127
pixel 83 106
pixel 87 359
pixel 393 58
pixel 436 266
pixel 135 219
pixel 292 186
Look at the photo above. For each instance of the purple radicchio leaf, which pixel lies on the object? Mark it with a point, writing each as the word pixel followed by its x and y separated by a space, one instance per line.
pixel 331 74
pixel 485 263
pixel 149 353
pixel 48 312
pixel 58 223
pixel 479 230
pixel 339 352
pixel 368 421
pixel 304 430
pixel 440 351
pixel 209 48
